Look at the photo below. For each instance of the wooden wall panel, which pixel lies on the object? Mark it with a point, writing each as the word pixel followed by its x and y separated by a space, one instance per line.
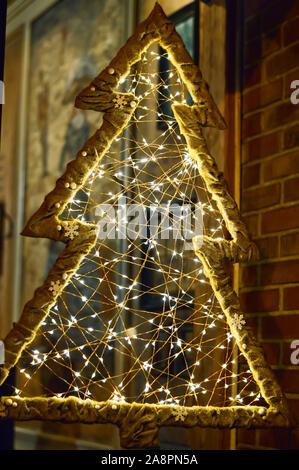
pixel 10 128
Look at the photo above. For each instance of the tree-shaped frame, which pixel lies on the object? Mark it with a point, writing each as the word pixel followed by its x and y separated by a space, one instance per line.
pixel 139 423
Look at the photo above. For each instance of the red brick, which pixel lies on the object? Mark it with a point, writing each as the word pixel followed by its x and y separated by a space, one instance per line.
pixel 253 323
pixel 250 175
pixel 291 298
pixel 252 76
pixel 291 137
pixel 268 18
pixel 262 146
pixel 278 12
pixel 283 61
pixel 272 352
pixel 291 32
pixel 251 125
pixel 291 189
pixel 249 276
pixel 275 438
pixel 282 327
pixel 283 165
pixel 268 247
pixel 261 47
pixel 280 219
pixel 262 96
pixel 260 301
pixel 252 224
pixel 288 380
pixel 288 352
pixel 289 244
pixel 280 114
pixel 258 198
pixel 280 272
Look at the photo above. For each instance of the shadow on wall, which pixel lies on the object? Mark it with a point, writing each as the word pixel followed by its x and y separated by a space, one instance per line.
pixel 262 33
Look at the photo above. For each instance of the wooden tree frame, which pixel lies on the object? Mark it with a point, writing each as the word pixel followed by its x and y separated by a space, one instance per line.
pixel 139 423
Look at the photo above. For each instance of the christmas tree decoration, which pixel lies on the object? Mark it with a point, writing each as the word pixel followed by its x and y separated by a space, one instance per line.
pixel 136 326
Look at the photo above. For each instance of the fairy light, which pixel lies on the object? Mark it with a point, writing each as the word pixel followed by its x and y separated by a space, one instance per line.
pixel 103 339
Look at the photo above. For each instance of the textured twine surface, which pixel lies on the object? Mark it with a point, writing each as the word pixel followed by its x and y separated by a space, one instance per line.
pixel 139 423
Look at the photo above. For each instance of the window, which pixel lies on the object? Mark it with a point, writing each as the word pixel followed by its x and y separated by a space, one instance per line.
pixel 186 21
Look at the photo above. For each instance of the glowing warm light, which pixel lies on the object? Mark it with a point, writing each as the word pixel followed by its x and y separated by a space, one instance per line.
pixel 139 321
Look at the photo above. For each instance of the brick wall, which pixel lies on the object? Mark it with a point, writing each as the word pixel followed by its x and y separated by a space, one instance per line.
pixel 270 194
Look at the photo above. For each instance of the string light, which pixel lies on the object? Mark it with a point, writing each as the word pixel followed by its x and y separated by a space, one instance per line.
pixel 139 321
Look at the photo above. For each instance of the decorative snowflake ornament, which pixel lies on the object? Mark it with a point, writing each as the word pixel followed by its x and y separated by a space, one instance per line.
pixel 239 321
pixel 179 413
pixel 120 101
pixel 55 287
pixel 176 177
pixel 71 230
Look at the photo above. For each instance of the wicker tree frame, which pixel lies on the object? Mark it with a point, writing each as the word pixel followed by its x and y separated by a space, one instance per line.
pixel 139 423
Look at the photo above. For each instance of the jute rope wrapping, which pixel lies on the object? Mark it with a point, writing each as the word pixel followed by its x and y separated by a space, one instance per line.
pixel 139 423
pixel 45 223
